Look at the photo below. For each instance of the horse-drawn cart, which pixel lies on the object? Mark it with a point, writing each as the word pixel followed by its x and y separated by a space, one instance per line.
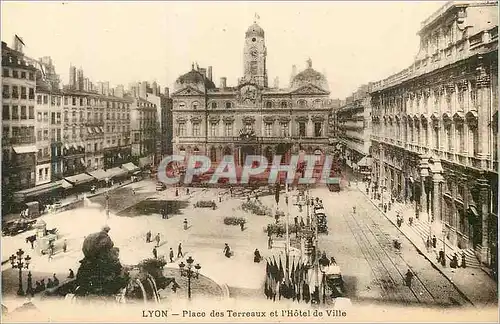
pixel 334 281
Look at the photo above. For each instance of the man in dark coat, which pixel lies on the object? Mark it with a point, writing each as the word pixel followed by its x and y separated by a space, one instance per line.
pixel 155 253
pixel 171 255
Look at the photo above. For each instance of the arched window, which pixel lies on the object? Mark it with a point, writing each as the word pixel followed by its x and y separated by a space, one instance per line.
pixel 214 105
pixel 269 104
pixel 284 104
pixel 182 105
pixel 195 105
pixel 227 150
pixel 229 105
pixel 302 103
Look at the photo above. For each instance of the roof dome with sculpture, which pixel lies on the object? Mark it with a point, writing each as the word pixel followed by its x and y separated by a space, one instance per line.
pixel 309 76
pixel 195 79
pixel 255 30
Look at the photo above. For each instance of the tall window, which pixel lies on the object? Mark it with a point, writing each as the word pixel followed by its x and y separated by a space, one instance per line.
pixel 253 67
pixel 460 137
pixel 5 112
pixel 318 129
pixel 196 104
pixel 269 104
pixel 23 93
pixel 436 137
pixel 31 112
pixel 228 129
pixel 15 112
pixel 213 129
pixel 196 129
pixel 302 129
pixel 269 129
pixel 15 94
pixel 302 103
pixel 284 129
pixel 214 105
pixel 449 142
pixel 229 105
pixel 474 138
pixel 5 91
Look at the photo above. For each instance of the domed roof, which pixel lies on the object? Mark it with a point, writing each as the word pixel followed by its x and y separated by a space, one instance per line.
pixel 254 30
pixel 194 77
pixel 310 76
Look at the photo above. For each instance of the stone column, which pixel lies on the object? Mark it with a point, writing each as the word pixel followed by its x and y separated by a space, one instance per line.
pixel 424 172
pixel 484 193
pixel 437 180
pixel 484 113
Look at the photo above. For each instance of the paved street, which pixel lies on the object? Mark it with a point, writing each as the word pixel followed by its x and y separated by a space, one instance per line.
pixel 361 244
pixel 372 267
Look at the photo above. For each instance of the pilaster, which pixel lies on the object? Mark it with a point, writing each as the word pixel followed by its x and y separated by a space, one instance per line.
pixel 484 193
pixel 484 112
pixel 424 173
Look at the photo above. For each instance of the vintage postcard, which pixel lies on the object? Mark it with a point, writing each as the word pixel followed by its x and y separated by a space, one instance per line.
pixel 249 161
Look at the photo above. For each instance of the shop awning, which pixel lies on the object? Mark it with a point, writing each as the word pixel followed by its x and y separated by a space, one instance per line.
pixel 65 184
pixel 38 190
pixel 130 167
pixel 365 162
pixel 25 149
pixel 99 174
pixel 145 161
pixel 79 179
pixel 117 172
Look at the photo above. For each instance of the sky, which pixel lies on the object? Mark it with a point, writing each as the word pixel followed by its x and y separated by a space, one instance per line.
pixel 352 43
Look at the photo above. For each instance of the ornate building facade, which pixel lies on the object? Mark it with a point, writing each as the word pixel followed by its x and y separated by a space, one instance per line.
pixel 435 127
pixel 250 118
pixel 354 127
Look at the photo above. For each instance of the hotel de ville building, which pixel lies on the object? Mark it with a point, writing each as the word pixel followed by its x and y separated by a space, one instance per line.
pixel 252 117
pixel 435 128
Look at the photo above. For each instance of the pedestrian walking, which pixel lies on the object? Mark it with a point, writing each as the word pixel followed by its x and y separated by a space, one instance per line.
pixel 51 255
pixel 71 274
pixel 155 253
pixel 179 251
pixel 463 259
pixel 157 239
pixel 50 284
pixel 242 226
pixel 185 224
pixel 410 220
pixel 187 191
pixel 55 280
pixel 227 251
pixel 270 242
pixel 354 210
pixel 148 237
pixel 434 241
pixel 133 191
pixel 171 255
pixel 408 278
pixel 65 246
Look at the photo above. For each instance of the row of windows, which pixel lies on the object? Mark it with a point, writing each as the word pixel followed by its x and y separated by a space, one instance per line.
pixel 18 92
pixel 17 112
pixel 7 73
pixel 97 116
pixel 43 173
pixel 269 104
pixel 79 101
pixel 20 135
pixel 268 129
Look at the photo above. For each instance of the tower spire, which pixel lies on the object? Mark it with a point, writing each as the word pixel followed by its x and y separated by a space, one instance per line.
pixel 255 18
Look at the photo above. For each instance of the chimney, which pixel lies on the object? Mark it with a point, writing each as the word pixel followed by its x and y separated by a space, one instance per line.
pixel 167 92
pixel 210 73
pixel 277 82
pixel 223 82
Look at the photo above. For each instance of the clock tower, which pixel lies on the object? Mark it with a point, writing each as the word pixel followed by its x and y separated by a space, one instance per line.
pixel 254 56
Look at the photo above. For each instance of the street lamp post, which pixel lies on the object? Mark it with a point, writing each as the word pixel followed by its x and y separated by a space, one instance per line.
pixel 17 261
pixel 187 271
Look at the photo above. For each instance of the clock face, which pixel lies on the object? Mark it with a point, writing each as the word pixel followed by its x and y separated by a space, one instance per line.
pixel 254 53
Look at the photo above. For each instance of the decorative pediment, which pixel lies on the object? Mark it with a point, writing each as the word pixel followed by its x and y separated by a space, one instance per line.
pixel 214 119
pixel 269 119
pixel 196 119
pixel 188 91
pixel 284 119
pixel 181 119
pixel 303 119
pixel 458 116
pixel 310 89
pixel 248 119
pixel 317 118
pixel 228 119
